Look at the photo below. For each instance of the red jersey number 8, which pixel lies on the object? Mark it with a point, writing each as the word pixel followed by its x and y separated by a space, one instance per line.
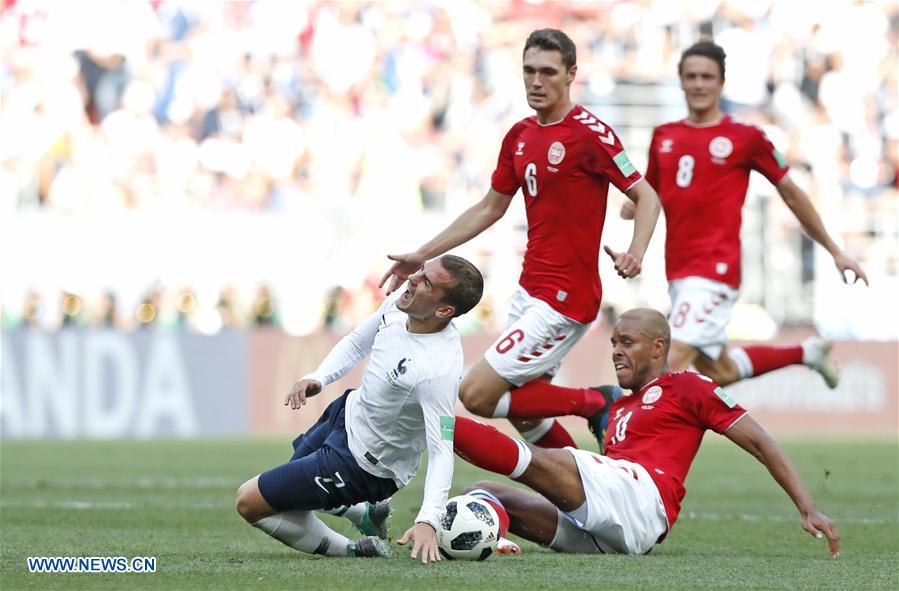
pixel 516 336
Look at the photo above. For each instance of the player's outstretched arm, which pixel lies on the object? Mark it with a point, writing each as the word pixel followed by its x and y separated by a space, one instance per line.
pixel 749 435
pixel 646 213
pixel 801 206
pixel 469 224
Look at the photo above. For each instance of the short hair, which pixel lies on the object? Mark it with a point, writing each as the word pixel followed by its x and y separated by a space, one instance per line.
pixel 707 49
pixel 468 285
pixel 553 40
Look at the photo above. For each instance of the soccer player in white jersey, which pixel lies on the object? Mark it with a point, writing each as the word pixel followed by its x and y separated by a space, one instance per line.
pixel 368 443
pixel 626 500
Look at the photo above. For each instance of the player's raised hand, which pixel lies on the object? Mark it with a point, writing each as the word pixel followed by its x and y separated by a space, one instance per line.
pixel 821 526
pixel 399 271
pixel 626 264
pixel 845 263
pixel 301 391
pixel 424 541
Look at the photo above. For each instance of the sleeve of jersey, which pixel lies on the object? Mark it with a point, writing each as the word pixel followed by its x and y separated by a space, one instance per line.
pixel 713 407
pixel 437 397
pixel 652 170
pixel 353 347
pixel 765 158
pixel 610 159
pixel 503 179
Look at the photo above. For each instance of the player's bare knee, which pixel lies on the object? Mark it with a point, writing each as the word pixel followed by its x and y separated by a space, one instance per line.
pixel 475 401
pixel 487 485
pixel 246 503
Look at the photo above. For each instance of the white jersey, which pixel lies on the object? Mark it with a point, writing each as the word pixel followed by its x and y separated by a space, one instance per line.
pixel 406 401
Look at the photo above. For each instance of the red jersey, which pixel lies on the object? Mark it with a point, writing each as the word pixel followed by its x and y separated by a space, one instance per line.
pixel 701 173
pixel 661 426
pixel 564 170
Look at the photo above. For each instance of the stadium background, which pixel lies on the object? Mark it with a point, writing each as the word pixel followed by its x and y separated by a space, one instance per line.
pixel 196 201
pixel 207 191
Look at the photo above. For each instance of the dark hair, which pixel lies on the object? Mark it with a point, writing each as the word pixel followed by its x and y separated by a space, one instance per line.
pixel 553 40
pixel 706 49
pixel 468 285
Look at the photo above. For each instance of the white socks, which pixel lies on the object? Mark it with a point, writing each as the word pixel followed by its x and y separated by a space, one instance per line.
pixel 741 359
pixel 524 459
pixel 355 513
pixel 502 406
pixel 534 435
pixel 305 532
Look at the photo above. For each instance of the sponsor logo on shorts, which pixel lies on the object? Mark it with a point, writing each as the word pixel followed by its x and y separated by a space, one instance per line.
pixel 652 395
pixel 556 153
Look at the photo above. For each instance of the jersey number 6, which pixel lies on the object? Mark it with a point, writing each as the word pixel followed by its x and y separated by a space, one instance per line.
pixel 530 178
pixel 516 336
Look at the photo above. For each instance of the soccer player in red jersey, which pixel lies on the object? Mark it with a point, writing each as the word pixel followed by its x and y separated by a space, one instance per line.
pixel 628 499
pixel 700 167
pixel 563 159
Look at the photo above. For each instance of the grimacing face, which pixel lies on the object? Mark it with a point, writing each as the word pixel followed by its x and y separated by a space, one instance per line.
pixel 425 291
pixel 546 80
pixel 701 81
pixel 632 353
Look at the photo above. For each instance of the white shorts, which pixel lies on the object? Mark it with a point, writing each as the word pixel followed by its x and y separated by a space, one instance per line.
pixel 700 311
pixel 625 513
pixel 535 340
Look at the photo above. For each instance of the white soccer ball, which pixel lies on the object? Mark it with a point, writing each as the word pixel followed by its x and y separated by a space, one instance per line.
pixel 469 529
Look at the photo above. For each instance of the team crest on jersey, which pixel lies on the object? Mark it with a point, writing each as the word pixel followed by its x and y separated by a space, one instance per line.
pixel 652 395
pixel 394 375
pixel 556 153
pixel 721 147
pixel 667 146
pixel 520 151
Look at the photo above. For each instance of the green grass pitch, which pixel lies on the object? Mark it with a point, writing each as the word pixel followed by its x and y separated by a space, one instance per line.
pixel 174 500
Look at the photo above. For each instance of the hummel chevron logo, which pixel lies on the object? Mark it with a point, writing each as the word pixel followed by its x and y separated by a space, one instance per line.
pixel 595 125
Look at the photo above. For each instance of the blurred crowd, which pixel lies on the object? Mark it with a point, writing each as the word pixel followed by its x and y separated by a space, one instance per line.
pixel 377 122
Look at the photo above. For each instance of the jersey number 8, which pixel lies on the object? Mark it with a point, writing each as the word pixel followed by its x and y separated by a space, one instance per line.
pixel 684 171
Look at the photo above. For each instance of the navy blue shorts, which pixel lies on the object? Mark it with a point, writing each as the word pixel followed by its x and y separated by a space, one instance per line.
pixel 323 473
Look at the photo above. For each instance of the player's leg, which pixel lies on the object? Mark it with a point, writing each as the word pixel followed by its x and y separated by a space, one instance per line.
pixel 512 380
pixel 370 519
pixel 551 472
pixel 754 360
pixel 615 502
pixel 300 530
pixel 523 512
pixel 280 501
pixel 700 311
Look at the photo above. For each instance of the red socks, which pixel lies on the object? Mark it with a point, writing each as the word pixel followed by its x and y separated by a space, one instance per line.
pixel 486 447
pixel 497 506
pixel 557 436
pixel 538 399
pixel 756 360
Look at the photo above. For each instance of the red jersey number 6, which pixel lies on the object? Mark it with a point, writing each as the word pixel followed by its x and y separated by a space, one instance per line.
pixel 516 336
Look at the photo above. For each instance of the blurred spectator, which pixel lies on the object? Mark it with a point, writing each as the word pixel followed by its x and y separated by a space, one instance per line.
pixel 264 313
pixel 337 119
